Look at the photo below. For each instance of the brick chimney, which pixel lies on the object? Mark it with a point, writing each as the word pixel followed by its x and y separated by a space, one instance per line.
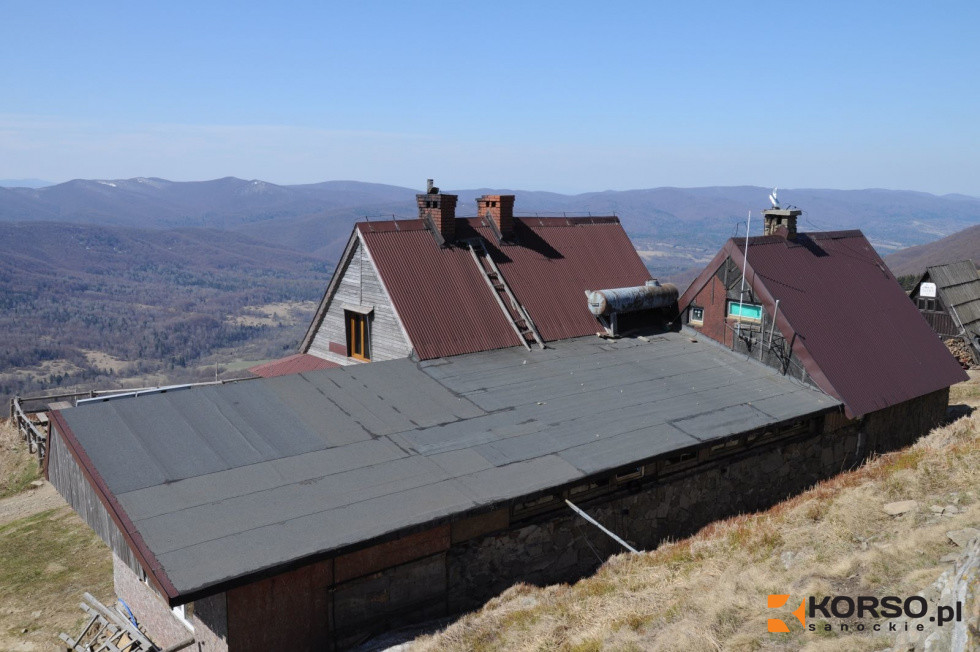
pixel 439 212
pixel 500 209
pixel 781 222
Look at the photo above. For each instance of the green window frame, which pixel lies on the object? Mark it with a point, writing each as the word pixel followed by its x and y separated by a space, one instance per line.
pixel 745 311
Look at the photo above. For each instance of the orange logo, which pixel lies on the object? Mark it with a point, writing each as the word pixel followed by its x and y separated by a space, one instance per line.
pixel 777 625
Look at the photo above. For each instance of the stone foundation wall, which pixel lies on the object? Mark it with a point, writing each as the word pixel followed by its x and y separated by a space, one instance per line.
pixel 561 546
pixel 209 616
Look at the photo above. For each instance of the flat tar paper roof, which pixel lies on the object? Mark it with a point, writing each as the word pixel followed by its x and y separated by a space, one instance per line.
pixel 221 482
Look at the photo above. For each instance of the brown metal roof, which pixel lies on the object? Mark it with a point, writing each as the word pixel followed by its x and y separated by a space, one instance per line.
pixel 857 333
pixel 446 306
pixel 558 260
pixel 293 364
pixel 441 298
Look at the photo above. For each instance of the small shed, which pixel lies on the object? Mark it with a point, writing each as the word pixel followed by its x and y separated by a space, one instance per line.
pixel 948 296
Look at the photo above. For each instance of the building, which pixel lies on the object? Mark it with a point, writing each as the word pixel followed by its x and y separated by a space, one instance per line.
pixel 948 296
pixel 441 285
pixel 824 308
pixel 312 510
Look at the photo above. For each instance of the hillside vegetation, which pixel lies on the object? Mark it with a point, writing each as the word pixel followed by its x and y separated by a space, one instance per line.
pixel 84 305
pixel 963 245
pixel 709 592
pixel 18 468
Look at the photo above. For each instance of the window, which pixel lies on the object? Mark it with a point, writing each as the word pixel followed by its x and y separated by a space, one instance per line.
pixel 626 476
pixel 358 335
pixel 932 305
pixel 534 507
pixel 183 613
pixel 745 311
pixel 697 315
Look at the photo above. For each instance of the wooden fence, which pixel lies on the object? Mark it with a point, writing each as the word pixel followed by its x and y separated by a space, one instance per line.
pixel 34 429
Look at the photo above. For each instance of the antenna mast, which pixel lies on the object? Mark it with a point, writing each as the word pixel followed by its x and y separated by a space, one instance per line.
pixel 745 263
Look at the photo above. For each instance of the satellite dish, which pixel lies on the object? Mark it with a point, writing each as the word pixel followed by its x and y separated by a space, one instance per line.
pixel 774 199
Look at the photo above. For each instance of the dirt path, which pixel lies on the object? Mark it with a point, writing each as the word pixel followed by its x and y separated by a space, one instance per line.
pixel 28 503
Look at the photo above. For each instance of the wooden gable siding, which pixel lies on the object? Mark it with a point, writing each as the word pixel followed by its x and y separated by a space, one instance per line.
pixel 360 285
pixel 66 476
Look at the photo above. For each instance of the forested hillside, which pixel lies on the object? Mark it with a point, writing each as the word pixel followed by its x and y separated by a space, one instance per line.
pixel 92 304
pixel 963 245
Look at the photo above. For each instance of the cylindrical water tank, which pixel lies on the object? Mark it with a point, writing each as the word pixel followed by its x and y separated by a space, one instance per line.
pixel 622 300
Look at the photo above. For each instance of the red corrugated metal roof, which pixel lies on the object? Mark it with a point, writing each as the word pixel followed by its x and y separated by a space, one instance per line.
pixel 558 260
pixel 293 364
pixel 448 309
pixel 856 331
pixel 440 296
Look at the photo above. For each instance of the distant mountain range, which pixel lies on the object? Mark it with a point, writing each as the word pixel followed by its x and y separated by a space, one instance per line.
pixel 674 228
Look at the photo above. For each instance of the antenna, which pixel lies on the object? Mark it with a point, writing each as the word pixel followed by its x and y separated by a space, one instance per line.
pixel 745 263
pixel 774 198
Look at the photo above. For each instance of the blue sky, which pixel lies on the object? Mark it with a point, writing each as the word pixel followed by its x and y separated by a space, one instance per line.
pixel 562 96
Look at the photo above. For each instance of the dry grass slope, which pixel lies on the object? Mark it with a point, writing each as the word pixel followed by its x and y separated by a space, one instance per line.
pixel 47 558
pixel 46 562
pixel 709 592
pixel 18 468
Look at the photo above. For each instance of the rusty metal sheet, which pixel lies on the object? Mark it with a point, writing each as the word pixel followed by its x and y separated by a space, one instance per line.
pixel 448 309
pixel 293 364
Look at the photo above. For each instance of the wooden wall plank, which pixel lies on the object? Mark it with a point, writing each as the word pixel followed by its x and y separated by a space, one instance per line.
pixel 66 476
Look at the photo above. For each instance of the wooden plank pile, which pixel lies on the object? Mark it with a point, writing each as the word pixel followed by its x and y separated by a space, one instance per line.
pixel 962 352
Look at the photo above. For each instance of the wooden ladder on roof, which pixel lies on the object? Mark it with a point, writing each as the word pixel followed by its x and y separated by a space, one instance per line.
pixel 512 308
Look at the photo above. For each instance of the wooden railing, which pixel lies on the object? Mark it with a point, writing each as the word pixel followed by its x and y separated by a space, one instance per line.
pixel 34 430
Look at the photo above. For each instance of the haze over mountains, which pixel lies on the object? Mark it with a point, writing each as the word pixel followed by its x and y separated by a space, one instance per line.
pixel 24 183
pixel 676 227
